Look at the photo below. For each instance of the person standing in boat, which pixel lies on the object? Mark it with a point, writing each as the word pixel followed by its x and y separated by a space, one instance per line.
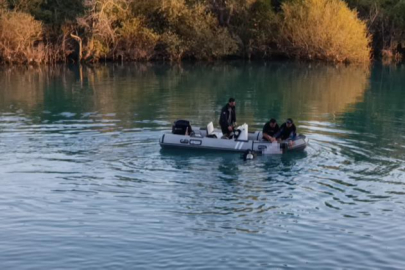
pixel 270 129
pixel 227 120
pixel 288 131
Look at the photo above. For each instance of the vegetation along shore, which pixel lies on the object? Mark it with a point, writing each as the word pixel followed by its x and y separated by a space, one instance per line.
pixel 52 31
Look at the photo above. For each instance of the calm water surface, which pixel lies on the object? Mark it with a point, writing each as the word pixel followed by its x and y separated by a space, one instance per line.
pixel 85 185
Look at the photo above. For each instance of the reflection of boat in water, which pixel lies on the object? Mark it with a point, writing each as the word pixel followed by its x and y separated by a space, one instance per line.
pixel 242 141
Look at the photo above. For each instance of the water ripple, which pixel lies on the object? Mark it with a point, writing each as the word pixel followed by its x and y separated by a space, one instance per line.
pixel 85 184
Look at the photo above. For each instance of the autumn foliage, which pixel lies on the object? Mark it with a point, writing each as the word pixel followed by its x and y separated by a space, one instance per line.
pixel 323 30
pixel 43 31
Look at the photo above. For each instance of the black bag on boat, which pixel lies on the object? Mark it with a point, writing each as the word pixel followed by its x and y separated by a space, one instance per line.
pixel 180 127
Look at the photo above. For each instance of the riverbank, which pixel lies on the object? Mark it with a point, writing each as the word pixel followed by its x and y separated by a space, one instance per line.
pixel 128 30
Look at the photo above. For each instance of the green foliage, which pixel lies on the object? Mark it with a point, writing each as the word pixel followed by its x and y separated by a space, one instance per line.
pixel 386 22
pixel 27 6
pixel 255 24
pixel 135 41
pixel 175 47
pixel 51 12
pixel 323 30
pixel 194 32
pixel 58 12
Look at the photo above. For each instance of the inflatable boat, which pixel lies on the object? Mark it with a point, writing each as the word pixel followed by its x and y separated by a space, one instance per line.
pixel 242 141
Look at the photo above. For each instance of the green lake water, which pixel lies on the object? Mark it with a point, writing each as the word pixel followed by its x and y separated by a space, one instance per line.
pixel 85 185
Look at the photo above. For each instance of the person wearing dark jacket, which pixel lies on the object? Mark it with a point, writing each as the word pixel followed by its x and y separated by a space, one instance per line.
pixel 227 120
pixel 287 131
pixel 270 129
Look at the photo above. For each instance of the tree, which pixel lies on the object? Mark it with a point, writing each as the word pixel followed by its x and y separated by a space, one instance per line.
pixel 195 32
pixel 53 13
pixel 386 22
pixel 255 25
pixel 323 30
pixel 109 30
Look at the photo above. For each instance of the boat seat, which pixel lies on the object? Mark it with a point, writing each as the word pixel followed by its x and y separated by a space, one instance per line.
pixel 211 133
pixel 243 134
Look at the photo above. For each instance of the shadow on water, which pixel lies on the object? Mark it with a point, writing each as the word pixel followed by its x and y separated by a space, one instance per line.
pixel 229 162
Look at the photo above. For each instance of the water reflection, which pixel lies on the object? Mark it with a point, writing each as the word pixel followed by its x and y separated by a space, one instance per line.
pixel 161 94
pixel 379 119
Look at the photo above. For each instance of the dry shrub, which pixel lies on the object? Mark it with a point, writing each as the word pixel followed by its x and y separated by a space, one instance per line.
pixel 98 34
pixel 19 35
pixel 323 30
pixel 393 54
pixel 3 6
pixel 110 31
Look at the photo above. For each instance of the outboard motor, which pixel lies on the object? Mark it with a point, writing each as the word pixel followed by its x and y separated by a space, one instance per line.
pixel 182 127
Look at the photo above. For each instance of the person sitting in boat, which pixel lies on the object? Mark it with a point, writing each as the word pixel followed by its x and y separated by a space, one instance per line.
pixel 227 120
pixel 270 129
pixel 288 131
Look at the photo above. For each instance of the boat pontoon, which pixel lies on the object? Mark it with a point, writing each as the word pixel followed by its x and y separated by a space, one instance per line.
pixel 212 139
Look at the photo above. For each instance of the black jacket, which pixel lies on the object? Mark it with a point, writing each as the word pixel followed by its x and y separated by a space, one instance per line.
pixel 269 130
pixel 286 133
pixel 228 116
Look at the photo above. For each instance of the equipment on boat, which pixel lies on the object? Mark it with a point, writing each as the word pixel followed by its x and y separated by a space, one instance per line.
pixel 212 139
pixel 182 127
pixel 249 155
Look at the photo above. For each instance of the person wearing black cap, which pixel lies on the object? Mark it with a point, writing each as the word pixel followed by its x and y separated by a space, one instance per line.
pixel 227 120
pixel 270 129
pixel 287 130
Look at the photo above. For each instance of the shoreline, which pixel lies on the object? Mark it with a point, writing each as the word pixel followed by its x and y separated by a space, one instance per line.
pixel 204 62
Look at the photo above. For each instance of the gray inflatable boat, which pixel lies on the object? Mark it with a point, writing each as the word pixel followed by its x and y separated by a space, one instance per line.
pixel 212 139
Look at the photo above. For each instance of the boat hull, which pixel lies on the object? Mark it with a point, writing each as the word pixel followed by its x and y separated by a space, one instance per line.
pixel 169 140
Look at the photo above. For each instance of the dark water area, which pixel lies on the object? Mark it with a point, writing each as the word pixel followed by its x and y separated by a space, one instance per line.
pixel 85 185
